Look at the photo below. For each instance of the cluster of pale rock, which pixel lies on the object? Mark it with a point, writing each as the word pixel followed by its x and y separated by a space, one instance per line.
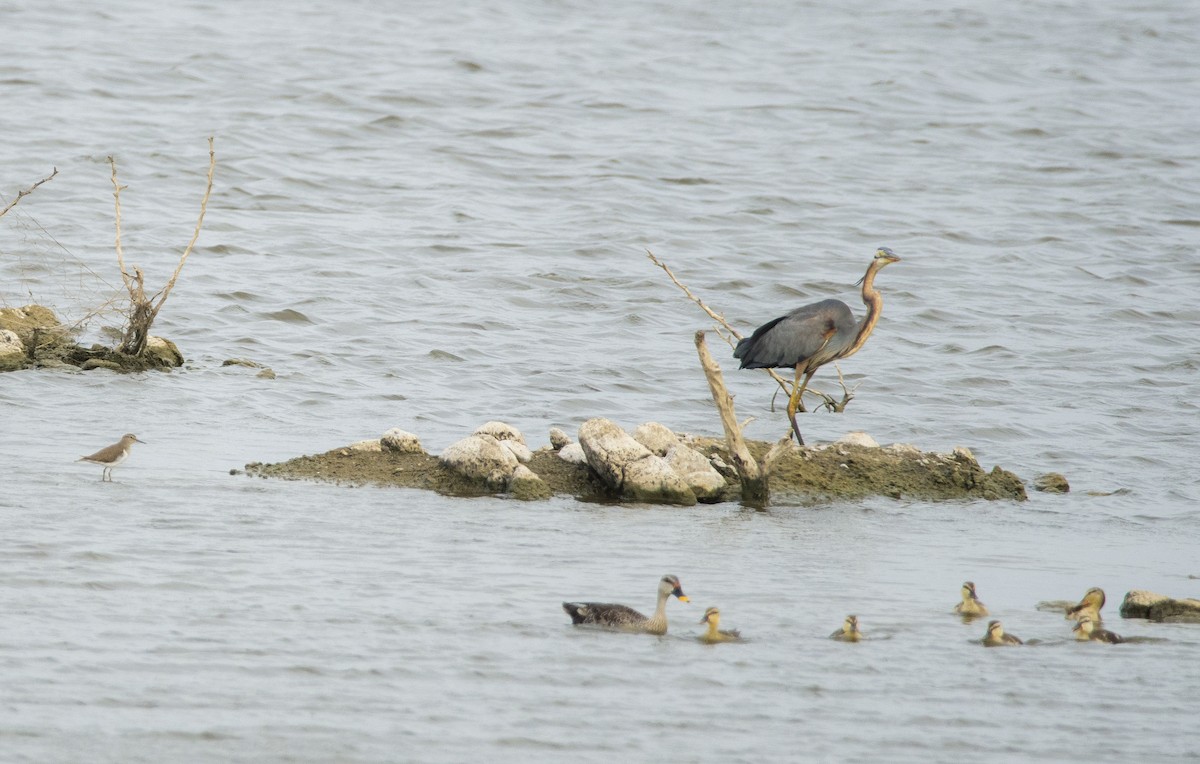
pixel 652 465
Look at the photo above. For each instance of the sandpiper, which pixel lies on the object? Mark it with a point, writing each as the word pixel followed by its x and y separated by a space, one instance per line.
pixel 111 456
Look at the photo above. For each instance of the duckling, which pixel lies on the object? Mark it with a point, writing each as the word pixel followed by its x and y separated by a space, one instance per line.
pixel 849 631
pixel 626 618
pixel 712 617
pixel 1090 605
pixel 970 607
pixel 1087 630
pixel 996 636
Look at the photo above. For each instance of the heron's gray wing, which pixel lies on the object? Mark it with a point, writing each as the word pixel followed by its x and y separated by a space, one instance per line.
pixel 792 339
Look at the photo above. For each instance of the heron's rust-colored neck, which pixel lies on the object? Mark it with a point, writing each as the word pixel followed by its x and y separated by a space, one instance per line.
pixel 874 302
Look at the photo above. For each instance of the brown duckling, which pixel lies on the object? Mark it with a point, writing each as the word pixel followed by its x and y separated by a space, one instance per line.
pixel 625 618
pixel 712 617
pixel 997 637
pixel 1090 605
pixel 1087 631
pixel 970 607
pixel 849 631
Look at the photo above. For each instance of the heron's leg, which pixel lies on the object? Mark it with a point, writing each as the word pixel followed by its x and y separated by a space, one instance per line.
pixel 794 400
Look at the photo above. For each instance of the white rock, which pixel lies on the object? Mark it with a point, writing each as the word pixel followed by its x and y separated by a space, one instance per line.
pixel 500 431
pixel 10 342
pixel 628 467
pixel 481 458
pixel 696 471
pixel 519 450
pixel 573 453
pixel 559 438
pixel 658 438
pixel 401 441
pixel 857 438
pixel 365 445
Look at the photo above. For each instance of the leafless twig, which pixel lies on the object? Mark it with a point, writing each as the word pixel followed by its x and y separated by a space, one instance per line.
pixel 784 384
pixel 26 192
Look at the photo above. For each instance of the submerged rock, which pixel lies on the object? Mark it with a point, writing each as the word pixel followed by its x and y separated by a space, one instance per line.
pixel 628 467
pixel 1140 603
pixel 481 459
pixel 1051 482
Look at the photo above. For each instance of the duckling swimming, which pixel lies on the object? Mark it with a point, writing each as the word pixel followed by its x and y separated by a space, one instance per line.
pixel 712 617
pixel 997 637
pixel 849 631
pixel 1087 630
pixel 626 618
pixel 1090 605
pixel 970 607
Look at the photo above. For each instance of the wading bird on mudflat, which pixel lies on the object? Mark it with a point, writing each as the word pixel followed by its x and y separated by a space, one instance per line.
pixel 813 335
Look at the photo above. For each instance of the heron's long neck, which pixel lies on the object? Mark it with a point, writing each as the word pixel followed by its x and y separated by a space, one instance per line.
pixel 874 302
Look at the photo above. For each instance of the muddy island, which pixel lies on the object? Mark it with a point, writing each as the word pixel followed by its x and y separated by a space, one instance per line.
pixel 32 337
pixel 653 465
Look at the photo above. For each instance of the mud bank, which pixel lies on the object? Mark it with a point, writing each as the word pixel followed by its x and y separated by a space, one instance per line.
pixel 805 474
pixel 32 337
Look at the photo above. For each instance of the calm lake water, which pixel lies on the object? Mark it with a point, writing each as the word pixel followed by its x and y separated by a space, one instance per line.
pixel 428 217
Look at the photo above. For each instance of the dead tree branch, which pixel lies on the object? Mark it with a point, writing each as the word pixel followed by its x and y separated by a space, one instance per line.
pixel 212 163
pixel 143 310
pixel 753 474
pixel 26 192
pixel 720 319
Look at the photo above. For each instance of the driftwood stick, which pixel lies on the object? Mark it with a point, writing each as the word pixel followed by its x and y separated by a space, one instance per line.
pixel 785 385
pixel 162 296
pixel 752 475
pixel 120 251
pixel 26 192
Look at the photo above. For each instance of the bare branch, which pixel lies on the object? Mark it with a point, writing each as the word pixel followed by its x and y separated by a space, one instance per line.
pixel 26 192
pixel 753 476
pixel 120 252
pixel 785 385
pixel 711 313
pixel 162 296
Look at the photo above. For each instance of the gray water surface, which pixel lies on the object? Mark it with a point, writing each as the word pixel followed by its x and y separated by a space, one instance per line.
pixel 431 217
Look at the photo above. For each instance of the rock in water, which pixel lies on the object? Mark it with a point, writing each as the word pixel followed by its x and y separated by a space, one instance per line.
pixel 628 467
pixel 656 437
pixel 401 442
pixel 572 453
pixel 1051 482
pixel 527 486
pixel 481 459
pixel 559 438
pixel 1140 603
pixel 501 431
pixel 697 471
